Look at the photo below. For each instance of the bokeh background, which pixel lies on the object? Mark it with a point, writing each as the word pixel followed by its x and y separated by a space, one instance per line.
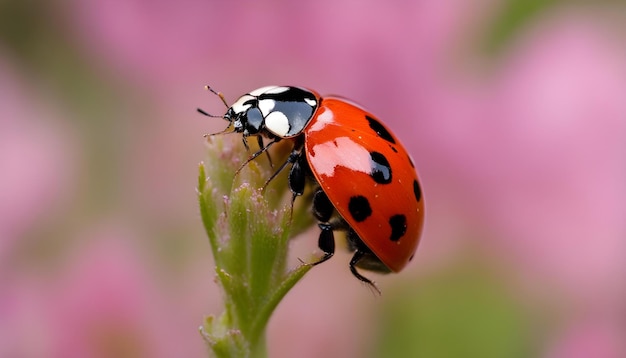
pixel 514 110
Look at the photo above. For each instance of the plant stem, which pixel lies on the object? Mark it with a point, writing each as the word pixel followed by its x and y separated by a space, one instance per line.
pixel 249 232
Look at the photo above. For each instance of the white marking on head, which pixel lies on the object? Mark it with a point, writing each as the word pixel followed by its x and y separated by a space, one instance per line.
pixel 239 106
pixel 259 91
pixel 266 106
pixel 277 123
pixel 311 102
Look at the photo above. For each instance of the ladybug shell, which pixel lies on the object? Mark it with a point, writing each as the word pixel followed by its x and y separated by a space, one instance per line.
pixel 369 177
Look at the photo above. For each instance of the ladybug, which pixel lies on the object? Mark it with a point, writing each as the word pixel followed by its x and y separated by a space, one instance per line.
pixel 365 180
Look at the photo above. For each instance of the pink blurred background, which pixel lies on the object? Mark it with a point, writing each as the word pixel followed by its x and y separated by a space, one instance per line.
pixel 515 113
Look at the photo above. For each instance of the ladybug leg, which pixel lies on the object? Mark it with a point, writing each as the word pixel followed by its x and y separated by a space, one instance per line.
pixel 244 139
pixel 280 169
pixel 296 176
pixel 259 140
pixel 297 173
pixel 362 255
pixel 257 153
pixel 358 255
pixel 323 210
pixel 326 243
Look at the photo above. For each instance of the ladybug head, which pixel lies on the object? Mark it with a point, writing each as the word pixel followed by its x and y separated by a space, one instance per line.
pixel 273 111
pixel 245 115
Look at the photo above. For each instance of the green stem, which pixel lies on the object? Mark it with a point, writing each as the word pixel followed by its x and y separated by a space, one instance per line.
pixel 249 234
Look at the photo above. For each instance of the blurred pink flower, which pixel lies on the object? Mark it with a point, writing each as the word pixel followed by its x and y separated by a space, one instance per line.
pixel 142 38
pixel 23 328
pixel 109 305
pixel 548 166
pixel 239 44
pixel 36 159
pixel 591 338
pixel 103 303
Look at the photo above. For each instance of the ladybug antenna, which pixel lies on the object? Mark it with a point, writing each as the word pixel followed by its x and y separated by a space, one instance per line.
pixel 219 94
pixel 203 112
pixel 225 131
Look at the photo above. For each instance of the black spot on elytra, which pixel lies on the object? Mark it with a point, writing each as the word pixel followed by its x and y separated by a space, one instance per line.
pixel 398 227
pixel 411 258
pixel 359 208
pixel 380 129
pixel 381 170
pixel 417 190
pixel 393 148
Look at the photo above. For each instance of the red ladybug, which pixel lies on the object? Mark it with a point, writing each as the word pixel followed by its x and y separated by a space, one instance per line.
pixel 366 180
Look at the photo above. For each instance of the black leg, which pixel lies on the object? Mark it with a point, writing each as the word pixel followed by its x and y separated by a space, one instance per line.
pixel 323 209
pixel 256 154
pixel 269 158
pixel 326 243
pixel 297 177
pixel 358 255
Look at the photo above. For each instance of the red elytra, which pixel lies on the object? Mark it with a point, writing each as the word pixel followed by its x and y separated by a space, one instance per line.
pixel 338 143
